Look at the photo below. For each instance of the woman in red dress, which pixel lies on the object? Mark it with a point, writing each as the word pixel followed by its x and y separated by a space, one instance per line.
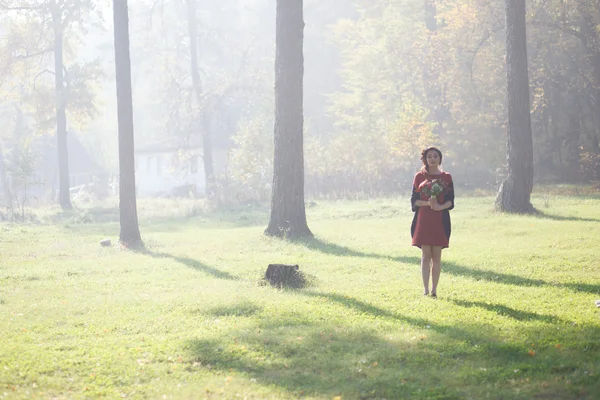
pixel 430 229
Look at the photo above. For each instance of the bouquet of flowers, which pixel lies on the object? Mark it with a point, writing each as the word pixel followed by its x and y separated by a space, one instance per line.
pixel 432 188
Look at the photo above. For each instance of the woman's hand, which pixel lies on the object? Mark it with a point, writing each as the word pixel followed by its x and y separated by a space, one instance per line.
pixel 422 203
pixel 437 207
pixel 433 202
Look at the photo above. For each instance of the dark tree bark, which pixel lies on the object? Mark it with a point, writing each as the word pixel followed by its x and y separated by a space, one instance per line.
pixel 204 114
pixel 515 192
pixel 64 196
pixel 434 90
pixel 130 232
pixel 430 15
pixel 288 214
pixel 591 41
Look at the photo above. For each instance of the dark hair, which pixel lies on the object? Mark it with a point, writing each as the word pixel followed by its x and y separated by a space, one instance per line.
pixel 424 157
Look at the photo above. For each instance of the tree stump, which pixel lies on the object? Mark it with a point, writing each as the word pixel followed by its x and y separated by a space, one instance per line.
pixel 283 275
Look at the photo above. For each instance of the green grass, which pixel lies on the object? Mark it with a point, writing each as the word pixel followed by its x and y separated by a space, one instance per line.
pixel 188 319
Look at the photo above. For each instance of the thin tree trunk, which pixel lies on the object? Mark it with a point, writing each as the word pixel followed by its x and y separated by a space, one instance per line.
pixel 515 192
pixel 64 196
pixel 209 170
pixel 130 232
pixel 288 214
pixel 204 113
pixel 4 182
pixel 193 36
pixel 434 90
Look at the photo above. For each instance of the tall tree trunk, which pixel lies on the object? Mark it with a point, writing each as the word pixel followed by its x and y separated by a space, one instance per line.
pixel 591 41
pixel 288 215
pixel 515 192
pixel 130 232
pixel 192 22
pixel 434 91
pixel 205 109
pixel 64 196
pixel 4 182
pixel 209 170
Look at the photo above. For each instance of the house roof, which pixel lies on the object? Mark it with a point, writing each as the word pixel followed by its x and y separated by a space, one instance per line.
pixel 80 161
pixel 174 144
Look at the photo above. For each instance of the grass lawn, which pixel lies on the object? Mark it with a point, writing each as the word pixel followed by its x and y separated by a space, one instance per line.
pixel 188 319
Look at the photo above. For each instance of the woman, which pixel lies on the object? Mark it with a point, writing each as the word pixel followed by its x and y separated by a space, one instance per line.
pixel 430 229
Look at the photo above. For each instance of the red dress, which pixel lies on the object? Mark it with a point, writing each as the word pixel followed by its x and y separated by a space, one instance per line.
pixel 429 227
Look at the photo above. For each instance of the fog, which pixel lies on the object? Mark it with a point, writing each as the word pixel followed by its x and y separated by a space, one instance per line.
pixel 382 80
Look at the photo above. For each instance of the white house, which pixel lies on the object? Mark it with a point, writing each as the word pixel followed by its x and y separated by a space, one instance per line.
pixel 43 183
pixel 171 169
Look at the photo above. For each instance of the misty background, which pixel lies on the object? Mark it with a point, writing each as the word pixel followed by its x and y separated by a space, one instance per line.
pixel 383 80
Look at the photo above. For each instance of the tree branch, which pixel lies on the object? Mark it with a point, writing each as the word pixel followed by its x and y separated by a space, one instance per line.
pixel 32 55
pixel 483 40
pixel 46 71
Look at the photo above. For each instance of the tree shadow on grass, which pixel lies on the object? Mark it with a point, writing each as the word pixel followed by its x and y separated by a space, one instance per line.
pixel 491 276
pixel 326 247
pixel 516 280
pixel 473 337
pixel 357 361
pixel 191 263
pixel 554 217
pixel 449 267
pixel 307 359
pixel 318 361
pixel 502 310
pixel 582 287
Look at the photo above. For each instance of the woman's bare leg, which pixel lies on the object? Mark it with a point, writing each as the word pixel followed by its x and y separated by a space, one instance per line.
pixel 426 266
pixel 436 267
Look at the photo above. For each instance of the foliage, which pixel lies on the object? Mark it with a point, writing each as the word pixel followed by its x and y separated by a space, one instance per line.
pixel 20 163
pixel 455 75
pixel 412 131
pixel 26 50
pixel 222 74
pixel 384 84
pixel 251 160
pixel 590 166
